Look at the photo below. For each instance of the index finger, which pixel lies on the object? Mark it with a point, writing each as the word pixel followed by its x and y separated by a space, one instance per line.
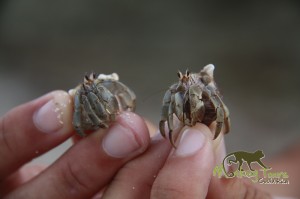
pixel 33 128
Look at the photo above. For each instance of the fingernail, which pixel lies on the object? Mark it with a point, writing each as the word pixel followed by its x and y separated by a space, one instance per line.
pixel 120 142
pixel 191 141
pixel 50 117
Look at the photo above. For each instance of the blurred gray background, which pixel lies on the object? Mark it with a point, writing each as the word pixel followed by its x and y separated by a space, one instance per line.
pixel 48 45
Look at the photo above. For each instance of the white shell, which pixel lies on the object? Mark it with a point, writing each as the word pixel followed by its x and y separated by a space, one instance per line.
pixel 113 76
pixel 72 92
pixel 209 69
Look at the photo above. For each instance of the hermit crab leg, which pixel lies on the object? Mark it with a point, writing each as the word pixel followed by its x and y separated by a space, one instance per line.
pixel 197 108
pixel 179 106
pixel 106 99
pixel 220 121
pixel 226 112
pixel 219 110
pixel 126 96
pixel 97 106
pixel 165 109
pixel 92 115
pixel 220 116
pixel 227 125
pixel 226 115
pixel 170 119
pixel 77 115
pixel 164 112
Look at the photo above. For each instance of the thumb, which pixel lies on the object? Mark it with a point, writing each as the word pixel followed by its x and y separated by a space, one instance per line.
pixel 187 171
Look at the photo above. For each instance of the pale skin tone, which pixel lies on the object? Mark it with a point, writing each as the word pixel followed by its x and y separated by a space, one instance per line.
pixel 92 168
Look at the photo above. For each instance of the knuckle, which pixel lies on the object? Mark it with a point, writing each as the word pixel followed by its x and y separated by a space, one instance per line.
pixel 237 188
pixel 75 181
pixel 241 190
pixel 160 191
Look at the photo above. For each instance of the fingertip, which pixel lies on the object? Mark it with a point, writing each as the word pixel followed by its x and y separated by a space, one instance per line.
pixel 23 175
pixel 55 114
pixel 96 158
pixel 203 129
pixel 129 136
pixel 191 163
pixel 218 144
pixel 191 142
pixel 192 139
pixel 137 125
pixel 33 128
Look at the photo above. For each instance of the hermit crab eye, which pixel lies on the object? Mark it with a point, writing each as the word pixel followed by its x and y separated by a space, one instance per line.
pixel 187 72
pixel 93 75
pixel 179 74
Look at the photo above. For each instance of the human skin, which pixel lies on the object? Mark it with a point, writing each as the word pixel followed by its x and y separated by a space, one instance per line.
pixel 123 161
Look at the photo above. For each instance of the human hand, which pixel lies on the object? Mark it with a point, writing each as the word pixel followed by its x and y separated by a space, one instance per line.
pixel 31 129
pixel 121 160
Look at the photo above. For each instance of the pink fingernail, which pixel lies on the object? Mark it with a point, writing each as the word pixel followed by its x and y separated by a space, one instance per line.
pixel 191 142
pixel 120 142
pixel 126 137
pixel 50 117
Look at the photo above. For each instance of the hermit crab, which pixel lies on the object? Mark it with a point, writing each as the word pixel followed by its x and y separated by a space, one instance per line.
pixel 195 98
pixel 98 100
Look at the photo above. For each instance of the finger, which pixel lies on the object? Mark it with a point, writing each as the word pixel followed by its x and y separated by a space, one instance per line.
pixel 229 188
pixel 288 161
pixel 76 138
pixel 219 148
pixel 23 175
pixel 139 174
pixel 32 129
pixel 235 188
pixel 188 169
pixel 135 179
pixel 90 164
pixel 152 128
